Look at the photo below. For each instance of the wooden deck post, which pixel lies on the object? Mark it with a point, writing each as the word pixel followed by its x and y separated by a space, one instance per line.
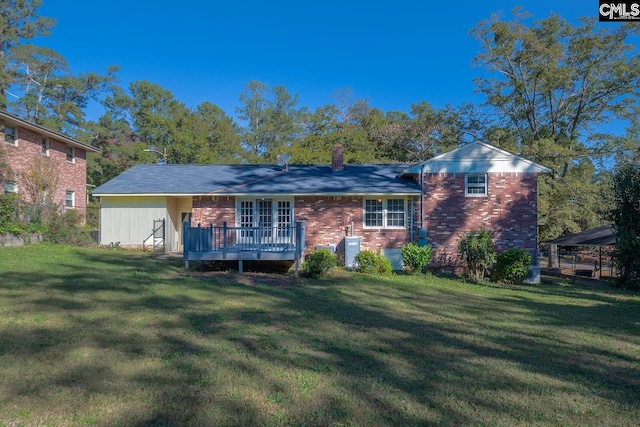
pixel 224 240
pixel 185 243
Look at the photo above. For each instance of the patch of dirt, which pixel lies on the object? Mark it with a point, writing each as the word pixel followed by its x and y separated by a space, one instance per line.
pixel 249 278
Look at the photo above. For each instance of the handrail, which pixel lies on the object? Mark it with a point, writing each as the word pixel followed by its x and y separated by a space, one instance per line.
pixel 259 239
pixel 153 235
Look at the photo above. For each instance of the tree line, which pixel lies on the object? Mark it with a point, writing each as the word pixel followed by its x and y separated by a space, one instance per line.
pixel 550 86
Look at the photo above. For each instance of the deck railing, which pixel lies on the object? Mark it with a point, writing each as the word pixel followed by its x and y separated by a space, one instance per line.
pixel 225 239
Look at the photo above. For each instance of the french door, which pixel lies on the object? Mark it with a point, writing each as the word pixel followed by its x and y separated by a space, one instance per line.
pixel 265 220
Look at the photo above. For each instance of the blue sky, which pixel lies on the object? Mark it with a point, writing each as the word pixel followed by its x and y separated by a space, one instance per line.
pixel 392 53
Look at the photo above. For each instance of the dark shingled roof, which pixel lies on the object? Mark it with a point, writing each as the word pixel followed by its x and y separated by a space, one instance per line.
pixel 259 179
pixel 599 236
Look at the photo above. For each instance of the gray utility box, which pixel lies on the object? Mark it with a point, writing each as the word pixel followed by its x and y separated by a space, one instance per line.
pixel 351 249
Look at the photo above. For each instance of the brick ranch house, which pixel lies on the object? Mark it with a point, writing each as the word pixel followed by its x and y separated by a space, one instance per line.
pixel 387 206
pixel 24 143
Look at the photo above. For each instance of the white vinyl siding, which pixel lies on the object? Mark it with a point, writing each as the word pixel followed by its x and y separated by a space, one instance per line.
pixel 129 220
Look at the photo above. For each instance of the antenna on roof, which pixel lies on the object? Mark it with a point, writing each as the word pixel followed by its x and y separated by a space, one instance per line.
pixel 283 160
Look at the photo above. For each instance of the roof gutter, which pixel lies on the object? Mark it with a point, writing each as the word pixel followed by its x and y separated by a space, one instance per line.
pixel 46 132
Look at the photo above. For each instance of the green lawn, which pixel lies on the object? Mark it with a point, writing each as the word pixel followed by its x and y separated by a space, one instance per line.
pixel 107 338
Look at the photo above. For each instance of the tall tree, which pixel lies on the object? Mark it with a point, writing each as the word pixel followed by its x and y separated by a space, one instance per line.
pixel 272 120
pixel 154 115
pixel 219 134
pixel 554 85
pixel 624 202
pixel 19 21
pixel 48 94
pixel 419 135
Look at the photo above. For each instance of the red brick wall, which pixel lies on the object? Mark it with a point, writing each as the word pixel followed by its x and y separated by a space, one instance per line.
pixel 509 210
pixel 328 220
pixel 72 176
pixel 213 210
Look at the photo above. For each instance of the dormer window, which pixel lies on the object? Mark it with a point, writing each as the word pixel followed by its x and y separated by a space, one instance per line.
pixel 475 185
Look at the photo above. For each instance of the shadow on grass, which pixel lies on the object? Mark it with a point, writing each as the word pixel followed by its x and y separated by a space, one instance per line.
pixel 404 355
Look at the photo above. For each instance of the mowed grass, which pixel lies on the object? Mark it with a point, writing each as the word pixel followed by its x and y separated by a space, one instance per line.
pixel 115 338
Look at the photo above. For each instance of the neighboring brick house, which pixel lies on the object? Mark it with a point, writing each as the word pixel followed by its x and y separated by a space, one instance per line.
pixel 386 206
pixel 24 143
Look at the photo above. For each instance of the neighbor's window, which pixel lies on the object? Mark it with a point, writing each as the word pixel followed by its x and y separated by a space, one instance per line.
pixel 69 199
pixel 475 184
pixel 71 154
pixel 10 187
pixel 385 213
pixel 45 146
pixel 10 135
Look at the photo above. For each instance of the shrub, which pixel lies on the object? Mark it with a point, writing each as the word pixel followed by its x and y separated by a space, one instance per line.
pixel 416 257
pixel 318 263
pixel 477 251
pixel 372 263
pixel 66 229
pixel 511 266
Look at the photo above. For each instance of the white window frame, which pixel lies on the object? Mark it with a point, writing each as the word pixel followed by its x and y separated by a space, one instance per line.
pixel 13 135
pixel 45 146
pixel 471 188
pixel 386 214
pixel 276 214
pixel 73 154
pixel 73 199
pixel 10 187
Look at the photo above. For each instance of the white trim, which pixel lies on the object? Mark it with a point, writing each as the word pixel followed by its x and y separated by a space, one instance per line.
pixel 477 157
pixel 476 185
pixel 14 134
pixel 46 144
pixel 73 154
pixel 257 196
pixel 384 200
pixel 13 185
pixel 274 208
pixel 73 199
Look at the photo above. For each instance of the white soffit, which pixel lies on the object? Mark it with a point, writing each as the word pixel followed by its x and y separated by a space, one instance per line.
pixel 477 157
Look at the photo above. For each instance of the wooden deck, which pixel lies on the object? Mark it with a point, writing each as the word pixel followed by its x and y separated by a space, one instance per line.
pixel 215 243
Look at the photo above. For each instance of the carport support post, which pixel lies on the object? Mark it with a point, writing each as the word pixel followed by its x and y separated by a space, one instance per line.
pixel 553 256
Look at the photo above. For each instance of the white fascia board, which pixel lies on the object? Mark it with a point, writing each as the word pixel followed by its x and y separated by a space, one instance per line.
pixel 144 195
pixel 416 193
pixel 487 166
pixel 486 158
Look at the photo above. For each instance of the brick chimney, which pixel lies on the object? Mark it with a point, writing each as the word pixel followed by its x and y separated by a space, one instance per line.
pixel 337 160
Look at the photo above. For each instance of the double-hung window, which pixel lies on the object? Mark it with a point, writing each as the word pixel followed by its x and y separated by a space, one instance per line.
pixel 475 185
pixel 385 213
pixel 10 135
pixel 71 154
pixel 69 199
pixel 45 146
pixel 10 187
